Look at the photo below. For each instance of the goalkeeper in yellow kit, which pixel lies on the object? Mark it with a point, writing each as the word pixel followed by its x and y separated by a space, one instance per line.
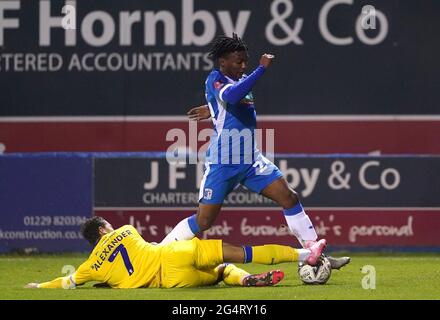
pixel 121 258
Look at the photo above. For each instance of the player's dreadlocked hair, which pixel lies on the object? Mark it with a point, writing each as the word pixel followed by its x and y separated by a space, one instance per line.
pixel 222 45
pixel 90 229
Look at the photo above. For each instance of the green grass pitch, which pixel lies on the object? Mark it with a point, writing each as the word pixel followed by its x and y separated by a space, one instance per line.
pixel 398 276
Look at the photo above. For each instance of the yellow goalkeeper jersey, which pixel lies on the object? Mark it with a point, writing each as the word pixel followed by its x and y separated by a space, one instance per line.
pixel 122 259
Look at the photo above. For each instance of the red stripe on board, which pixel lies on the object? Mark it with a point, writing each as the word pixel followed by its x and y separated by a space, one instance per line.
pixel 415 137
pixel 340 228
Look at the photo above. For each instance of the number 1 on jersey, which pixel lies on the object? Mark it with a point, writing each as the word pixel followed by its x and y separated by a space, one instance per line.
pixel 125 257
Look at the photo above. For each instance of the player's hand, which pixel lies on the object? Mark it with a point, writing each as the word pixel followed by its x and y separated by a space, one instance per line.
pixel 31 285
pixel 266 59
pixel 199 113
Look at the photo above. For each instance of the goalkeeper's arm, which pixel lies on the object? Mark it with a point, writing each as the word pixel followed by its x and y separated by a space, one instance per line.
pixel 81 276
pixel 66 282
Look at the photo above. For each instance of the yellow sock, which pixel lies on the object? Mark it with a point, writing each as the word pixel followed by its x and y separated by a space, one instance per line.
pixel 233 276
pixel 273 254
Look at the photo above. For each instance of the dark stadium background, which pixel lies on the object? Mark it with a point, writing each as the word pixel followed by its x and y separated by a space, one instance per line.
pixel 78 140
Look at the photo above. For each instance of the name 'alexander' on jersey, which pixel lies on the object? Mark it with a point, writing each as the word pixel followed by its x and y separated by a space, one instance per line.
pixel 107 249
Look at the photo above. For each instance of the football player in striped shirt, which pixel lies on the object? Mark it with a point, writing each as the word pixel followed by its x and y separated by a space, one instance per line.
pixel 233 157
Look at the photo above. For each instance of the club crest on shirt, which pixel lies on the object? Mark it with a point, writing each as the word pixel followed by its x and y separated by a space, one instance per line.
pixel 249 99
pixel 218 85
pixel 208 194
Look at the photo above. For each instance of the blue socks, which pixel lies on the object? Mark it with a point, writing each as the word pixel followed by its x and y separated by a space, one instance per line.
pixel 247 254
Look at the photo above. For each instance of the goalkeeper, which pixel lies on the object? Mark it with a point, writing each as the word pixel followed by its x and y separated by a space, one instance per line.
pixel 121 258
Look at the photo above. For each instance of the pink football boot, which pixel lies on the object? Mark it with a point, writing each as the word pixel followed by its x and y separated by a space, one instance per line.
pixel 316 250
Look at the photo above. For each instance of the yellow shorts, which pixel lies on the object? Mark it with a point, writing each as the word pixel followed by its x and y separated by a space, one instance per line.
pixel 191 263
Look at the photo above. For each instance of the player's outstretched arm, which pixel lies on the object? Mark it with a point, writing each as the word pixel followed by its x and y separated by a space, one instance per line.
pixel 77 278
pixel 58 283
pixel 234 93
pixel 199 113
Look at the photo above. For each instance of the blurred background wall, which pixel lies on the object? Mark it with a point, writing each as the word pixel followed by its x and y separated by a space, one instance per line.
pixel 354 90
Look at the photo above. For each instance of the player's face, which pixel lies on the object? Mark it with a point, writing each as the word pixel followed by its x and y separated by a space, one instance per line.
pixel 107 228
pixel 234 64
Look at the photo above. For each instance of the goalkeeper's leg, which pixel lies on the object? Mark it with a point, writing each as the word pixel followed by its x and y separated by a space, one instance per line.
pixel 234 276
pixel 271 253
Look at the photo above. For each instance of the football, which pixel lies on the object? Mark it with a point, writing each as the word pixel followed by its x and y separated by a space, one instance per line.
pixel 318 274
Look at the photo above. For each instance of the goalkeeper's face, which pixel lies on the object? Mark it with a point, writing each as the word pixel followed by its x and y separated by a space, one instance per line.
pixel 106 228
pixel 234 64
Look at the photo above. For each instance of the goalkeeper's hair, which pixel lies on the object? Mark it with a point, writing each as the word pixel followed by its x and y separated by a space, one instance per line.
pixel 223 45
pixel 90 229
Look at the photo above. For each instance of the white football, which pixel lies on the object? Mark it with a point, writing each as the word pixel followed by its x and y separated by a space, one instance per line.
pixel 318 274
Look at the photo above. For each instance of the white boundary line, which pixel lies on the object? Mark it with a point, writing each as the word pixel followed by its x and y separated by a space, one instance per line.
pixel 281 118
pixel 268 208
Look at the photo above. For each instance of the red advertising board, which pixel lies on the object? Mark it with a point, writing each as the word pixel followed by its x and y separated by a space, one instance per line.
pixel 352 228
pixel 293 134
